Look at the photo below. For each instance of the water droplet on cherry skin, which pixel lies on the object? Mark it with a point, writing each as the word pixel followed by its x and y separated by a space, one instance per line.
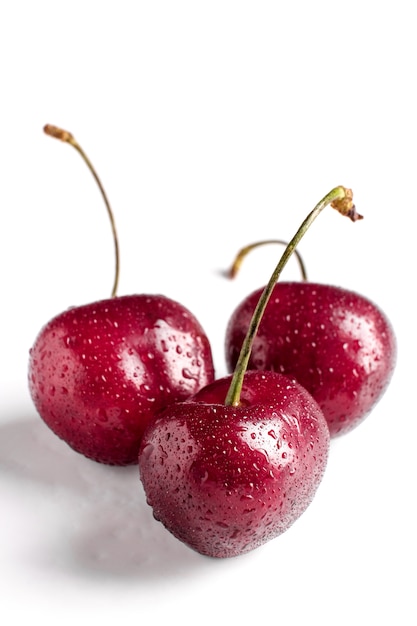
pixel 147 451
pixel 204 477
pixel 188 375
pixel 164 346
pixel 102 415
pixel 222 524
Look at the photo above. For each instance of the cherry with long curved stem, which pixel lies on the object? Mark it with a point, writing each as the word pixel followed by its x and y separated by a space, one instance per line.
pixel 237 463
pixel 99 372
pixel 67 137
pixel 340 198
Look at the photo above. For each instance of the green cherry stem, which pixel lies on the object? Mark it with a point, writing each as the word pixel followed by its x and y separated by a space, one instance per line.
pixel 66 137
pixel 257 244
pixel 340 198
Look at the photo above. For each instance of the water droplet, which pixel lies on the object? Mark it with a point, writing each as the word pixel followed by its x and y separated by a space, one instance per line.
pixel 147 451
pixel 188 374
pixel 222 525
pixel 102 415
pixel 204 477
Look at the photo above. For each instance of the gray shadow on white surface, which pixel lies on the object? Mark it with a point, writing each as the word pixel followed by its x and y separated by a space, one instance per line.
pixel 101 524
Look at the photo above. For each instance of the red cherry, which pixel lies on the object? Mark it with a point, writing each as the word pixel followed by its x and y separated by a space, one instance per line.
pixel 226 479
pixel 237 463
pixel 98 372
pixel 337 344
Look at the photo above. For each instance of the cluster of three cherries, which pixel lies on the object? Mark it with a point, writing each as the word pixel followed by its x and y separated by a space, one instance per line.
pixel 226 464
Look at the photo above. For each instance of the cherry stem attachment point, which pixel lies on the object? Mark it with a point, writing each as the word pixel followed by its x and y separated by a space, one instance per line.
pixel 66 137
pixel 340 198
pixel 257 244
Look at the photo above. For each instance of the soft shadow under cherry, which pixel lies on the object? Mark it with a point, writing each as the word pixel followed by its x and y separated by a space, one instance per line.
pixel 106 527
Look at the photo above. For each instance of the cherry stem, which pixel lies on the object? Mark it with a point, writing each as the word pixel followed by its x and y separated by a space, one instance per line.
pixel 66 137
pixel 244 251
pixel 340 198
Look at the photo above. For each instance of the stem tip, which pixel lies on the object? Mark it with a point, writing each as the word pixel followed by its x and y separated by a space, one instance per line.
pixel 346 207
pixel 58 133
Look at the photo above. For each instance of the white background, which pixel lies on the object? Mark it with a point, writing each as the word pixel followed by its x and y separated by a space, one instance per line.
pixel 211 124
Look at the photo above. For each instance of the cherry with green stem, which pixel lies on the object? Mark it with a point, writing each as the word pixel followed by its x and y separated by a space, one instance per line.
pixel 98 372
pixel 237 463
pixel 336 343
pixel 341 199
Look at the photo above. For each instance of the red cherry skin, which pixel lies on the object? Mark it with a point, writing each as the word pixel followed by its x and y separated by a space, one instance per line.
pixel 338 345
pixel 98 372
pixel 223 479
